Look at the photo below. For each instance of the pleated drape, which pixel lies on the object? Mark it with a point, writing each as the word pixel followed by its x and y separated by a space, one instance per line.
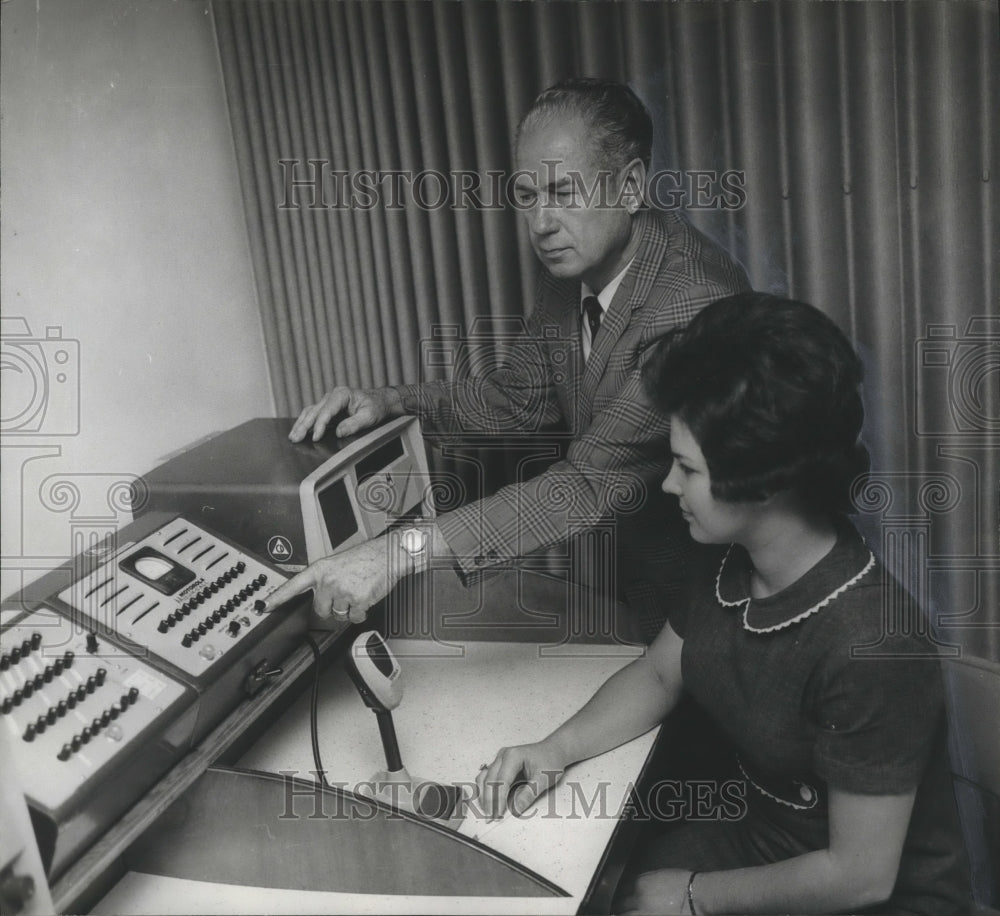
pixel 861 136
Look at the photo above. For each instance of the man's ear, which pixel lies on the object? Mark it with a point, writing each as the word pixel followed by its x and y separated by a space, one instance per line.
pixel 633 186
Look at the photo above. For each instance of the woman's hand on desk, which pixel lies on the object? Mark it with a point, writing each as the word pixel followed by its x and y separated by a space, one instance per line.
pixel 517 776
pixel 347 584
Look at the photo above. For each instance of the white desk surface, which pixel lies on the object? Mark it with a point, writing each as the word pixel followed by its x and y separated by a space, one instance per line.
pixel 460 706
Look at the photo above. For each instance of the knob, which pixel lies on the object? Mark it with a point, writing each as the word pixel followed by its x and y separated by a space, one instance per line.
pixel 47 674
pixel 6 705
pixel 29 733
pixel 92 643
pixel 28 689
pixel 15 891
pixel 133 695
pixel 163 626
pixel 65 753
pixel 102 674
pixel 4 662
pixel 68 659
pixel 57 667
pixel 61 708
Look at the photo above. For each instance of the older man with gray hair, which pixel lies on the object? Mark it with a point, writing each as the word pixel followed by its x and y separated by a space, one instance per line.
pixel 618 275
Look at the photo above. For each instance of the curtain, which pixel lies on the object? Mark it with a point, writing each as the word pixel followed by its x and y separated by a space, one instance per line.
pixel 855 139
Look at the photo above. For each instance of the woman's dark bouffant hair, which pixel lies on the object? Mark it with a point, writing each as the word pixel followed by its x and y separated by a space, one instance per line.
pixel 770 389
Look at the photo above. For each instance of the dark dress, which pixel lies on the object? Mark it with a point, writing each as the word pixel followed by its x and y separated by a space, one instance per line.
pixel 831 682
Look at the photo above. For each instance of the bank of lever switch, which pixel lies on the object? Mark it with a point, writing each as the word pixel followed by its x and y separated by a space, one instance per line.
pixel 74 696
pixel 221 613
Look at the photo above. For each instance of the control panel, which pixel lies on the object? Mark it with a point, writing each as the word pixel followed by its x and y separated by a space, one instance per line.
pixel 183 594
pixel 123 659
pixel 84 720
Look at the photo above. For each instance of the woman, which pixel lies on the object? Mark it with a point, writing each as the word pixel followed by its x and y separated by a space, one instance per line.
pixel 837 717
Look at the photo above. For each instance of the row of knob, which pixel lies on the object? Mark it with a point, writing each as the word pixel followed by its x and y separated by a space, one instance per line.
pixel 99 722
pixel 201 597
pixel 39 726
pixel 59 710
pixel 18 652
pixel 171 620
pixel 219 614
pixel 40 680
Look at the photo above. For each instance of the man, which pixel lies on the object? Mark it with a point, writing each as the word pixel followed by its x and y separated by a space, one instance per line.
pixel 617 276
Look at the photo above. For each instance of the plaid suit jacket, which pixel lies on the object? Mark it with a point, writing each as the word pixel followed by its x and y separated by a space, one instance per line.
pixel 618 443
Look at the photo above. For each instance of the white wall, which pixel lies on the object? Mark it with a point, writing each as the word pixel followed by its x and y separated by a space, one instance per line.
pixel 122 228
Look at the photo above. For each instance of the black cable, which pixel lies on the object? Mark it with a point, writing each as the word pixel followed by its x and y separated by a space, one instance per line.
pixel 314 716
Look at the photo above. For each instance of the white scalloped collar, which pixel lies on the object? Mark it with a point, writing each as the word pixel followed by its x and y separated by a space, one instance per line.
pixel 844 566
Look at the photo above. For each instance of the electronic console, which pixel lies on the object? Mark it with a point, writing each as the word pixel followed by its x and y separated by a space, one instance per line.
pixel 107 681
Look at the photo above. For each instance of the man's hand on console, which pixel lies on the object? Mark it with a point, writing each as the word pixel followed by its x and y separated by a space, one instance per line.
pixel 364 407
pixel 347 584
pixel 518 776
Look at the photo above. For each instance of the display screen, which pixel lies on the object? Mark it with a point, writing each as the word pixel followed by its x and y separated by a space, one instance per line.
pixel 379 459
pixel 338 513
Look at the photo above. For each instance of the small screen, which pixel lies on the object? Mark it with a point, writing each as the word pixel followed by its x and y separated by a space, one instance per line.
pixel 380 459
pixel 338 514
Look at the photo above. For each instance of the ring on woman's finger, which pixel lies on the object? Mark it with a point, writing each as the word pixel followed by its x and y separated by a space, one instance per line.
pixel 484 766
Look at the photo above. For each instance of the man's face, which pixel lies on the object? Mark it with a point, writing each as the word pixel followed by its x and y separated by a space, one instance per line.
pixel 577 217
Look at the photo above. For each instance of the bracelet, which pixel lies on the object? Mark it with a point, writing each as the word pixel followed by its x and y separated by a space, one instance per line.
pixel 690 893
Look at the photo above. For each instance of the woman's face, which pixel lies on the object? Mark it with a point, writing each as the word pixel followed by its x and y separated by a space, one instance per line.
pixel 710 520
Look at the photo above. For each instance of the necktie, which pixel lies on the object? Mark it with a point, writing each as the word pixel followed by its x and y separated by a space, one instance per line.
pixel 592 311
